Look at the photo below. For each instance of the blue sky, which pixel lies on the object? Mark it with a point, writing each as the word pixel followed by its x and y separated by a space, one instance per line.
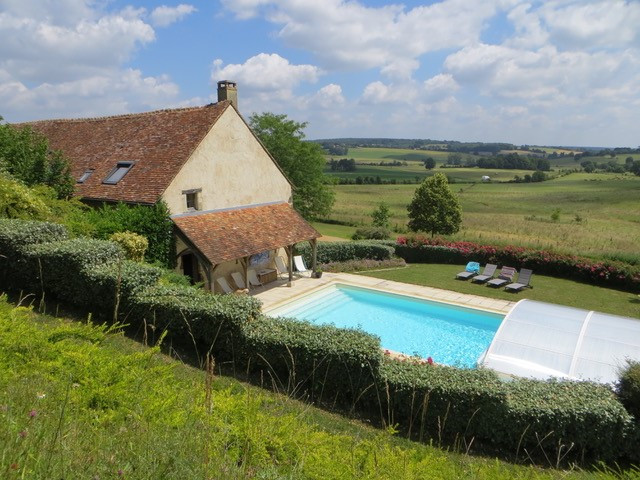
pixel 558 72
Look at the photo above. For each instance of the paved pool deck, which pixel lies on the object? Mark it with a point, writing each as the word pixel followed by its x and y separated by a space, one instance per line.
pixel 278 293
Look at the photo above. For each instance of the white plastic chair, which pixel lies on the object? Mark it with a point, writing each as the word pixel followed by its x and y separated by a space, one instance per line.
pixel 253 278
pixel 224 285
pixel 281 266
pixel 238 280
pixel 299 263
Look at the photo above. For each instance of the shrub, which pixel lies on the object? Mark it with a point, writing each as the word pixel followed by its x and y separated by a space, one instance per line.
pixel 16 236
pixel 628 389
pixel 343 251
pixel 18 201
pixel 371 233
pixel 62 267
pixel 323 361
pixel 360 265
pixel 134 245
pixel 213 320
pixel 152 222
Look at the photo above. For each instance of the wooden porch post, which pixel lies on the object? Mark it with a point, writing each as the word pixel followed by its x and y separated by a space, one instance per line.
pixel 314 251
pixel 245 272
pixel 212 286
pixel 289 250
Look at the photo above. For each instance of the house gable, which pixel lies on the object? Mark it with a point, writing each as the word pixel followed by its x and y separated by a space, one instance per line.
pixel 230 167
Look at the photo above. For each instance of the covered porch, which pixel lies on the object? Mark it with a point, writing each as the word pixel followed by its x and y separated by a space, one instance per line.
pixel 222 244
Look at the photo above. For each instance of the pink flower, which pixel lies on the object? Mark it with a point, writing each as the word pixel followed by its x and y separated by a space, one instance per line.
pixel 23 434
pixel 430 360
pixel 33 413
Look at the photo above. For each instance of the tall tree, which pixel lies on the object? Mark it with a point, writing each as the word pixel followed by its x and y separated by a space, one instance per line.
pixel 302 162
pixel 25 155
pixel 434 207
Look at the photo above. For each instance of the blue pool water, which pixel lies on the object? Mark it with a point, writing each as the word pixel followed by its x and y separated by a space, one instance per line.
pixel 448 334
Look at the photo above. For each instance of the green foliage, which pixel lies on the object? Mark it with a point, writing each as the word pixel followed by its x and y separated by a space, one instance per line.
pixel 302 162
pixel 628 389
pixel 152 222
pixel 380 216
pixel 434 208
pixel 18 201
pixel 568 420
pixel 371 233
pixel 325 362
pixel 25 155
pixel 343 251
pixel 429 163
pixel 134 245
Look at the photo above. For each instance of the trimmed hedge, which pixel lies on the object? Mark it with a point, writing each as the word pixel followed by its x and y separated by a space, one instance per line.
pixel 421 249
pixel 628 388
pixel 325 362
pixel 344 367
pixel 328 252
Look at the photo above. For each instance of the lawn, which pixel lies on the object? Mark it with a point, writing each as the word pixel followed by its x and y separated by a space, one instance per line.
pixel 545 289
pixel 598 213
pixel 78 401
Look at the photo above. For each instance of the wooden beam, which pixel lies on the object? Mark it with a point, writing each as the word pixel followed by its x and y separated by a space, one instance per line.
pixel 289 250
pixel 314 253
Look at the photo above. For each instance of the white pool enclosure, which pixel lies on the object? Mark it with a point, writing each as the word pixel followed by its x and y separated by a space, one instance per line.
pixel 543 340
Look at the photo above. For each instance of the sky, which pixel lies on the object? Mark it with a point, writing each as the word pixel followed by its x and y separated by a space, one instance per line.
pixel 558 72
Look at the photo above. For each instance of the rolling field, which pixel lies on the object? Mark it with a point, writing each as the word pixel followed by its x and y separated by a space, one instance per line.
pixel 599 213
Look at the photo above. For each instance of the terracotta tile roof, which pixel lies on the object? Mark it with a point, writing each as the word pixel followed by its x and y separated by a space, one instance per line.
pixel 158 142
pixel 224 235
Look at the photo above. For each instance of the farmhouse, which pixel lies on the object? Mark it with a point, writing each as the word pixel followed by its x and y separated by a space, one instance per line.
pixel 230 201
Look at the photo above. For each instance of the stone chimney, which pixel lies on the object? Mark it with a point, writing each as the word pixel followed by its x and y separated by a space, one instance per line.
pixel 227 90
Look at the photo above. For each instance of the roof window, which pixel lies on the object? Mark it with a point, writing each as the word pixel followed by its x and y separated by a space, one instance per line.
pixel 118 172
pixel 83 178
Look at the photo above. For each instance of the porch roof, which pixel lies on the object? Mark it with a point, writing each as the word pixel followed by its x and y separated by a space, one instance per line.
pixel 229 234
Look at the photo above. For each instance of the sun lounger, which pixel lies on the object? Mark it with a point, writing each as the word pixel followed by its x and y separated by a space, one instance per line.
pixel 524 278
pixel 253 279
pixel 224 285
pixel 487 273
pixel 505 277
pixel 281 265
pixel 471 270
pixel 238 280
pixel 299 263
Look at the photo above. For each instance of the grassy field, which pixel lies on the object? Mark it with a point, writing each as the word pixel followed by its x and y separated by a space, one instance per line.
pixel 545 289
pixel 77 401
pixel 598 212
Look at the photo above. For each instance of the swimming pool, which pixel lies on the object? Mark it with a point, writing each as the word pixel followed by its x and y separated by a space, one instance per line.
pixel 448 334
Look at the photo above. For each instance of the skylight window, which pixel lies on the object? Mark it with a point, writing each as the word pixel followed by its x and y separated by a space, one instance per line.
pixel 117 173
pixel 83 178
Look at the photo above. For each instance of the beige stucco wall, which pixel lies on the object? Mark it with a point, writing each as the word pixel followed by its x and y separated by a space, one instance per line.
pixel 231 168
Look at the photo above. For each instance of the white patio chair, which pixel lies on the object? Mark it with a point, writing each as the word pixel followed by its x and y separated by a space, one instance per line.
pixel 238 280
pixel 224 285
pixel 281 265
pixel 299 263
pixel 253 278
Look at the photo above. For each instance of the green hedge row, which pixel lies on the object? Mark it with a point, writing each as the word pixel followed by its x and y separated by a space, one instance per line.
pixel 328 252
pixel 344 367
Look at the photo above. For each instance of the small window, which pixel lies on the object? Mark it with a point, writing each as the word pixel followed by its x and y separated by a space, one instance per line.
pixel 117 173
pixel 192 201
pixel 83 178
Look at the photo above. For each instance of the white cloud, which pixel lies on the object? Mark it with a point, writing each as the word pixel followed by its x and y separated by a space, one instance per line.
pixel 164 16
pixel 120 92
pixel 347 35
pixel 602 23
pixel 266 72
pixel 329 96
pixel 65 58
pixel 440 84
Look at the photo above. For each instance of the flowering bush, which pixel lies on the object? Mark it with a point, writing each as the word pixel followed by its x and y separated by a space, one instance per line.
pixel 422 249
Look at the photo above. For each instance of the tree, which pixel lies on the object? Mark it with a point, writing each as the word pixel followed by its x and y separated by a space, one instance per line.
pixel 429 163
pixel 434 207
pixel 302 162
pixel 454 159
pixel 25 155
pixel 380 216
